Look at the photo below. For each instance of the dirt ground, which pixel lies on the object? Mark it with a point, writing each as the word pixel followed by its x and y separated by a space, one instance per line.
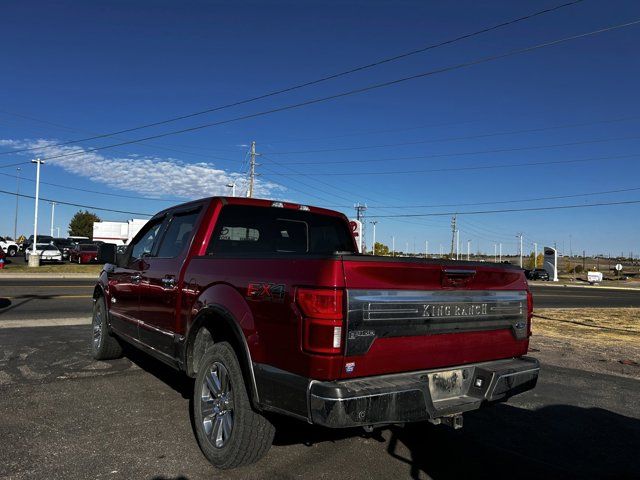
pixel 605 340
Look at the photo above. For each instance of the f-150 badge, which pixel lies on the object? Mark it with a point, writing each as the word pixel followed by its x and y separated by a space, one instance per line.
pixel 265 291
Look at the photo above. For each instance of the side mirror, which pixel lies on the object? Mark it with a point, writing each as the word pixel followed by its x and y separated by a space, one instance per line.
pixel 107 253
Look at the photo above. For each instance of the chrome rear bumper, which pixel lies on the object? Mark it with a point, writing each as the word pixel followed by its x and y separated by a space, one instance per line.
pixel 418 396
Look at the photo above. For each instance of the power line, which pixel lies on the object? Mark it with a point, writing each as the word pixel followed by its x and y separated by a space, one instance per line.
pixel 508 210
pixel 13 164
pixel 134 197
pixel 446 139
pixel 13 194
pixel 496 202
pixel 321 79
pixel 472 152
pixel 166 147
pixel 360 90
pixel 457 169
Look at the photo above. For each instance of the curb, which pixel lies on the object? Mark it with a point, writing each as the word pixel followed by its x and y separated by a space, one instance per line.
pixel 592 287
pixel 45 322
pixel 47 276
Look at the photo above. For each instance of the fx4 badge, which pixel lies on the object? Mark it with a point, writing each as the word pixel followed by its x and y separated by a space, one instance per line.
pixel 265 291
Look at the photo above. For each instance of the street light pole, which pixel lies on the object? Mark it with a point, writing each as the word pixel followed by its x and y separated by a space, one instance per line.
pixel 495 252
pixel 15 219
pixel 53 209
pixel 468 249
pixel 374 223
pixel 393 246
pixel 535 255
pixel 426 248
pixel 232 186
pixel 520 236
pixel 500 245
pixel 36 261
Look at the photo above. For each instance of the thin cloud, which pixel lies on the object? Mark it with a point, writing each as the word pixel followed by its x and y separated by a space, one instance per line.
pixel 149 176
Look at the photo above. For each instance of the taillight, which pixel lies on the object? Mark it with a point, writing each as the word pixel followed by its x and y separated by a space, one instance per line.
pixel 322 322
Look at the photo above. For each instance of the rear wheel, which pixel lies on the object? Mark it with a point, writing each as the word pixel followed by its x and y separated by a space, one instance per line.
pixel 230 433
pixel 104 346
pixel 12 251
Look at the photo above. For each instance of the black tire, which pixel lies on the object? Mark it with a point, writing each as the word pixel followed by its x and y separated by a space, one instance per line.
pixel 104 346
pixel 251 434
pixel 12 251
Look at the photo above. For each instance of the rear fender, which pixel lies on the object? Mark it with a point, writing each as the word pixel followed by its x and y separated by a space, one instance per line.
pixel 221 309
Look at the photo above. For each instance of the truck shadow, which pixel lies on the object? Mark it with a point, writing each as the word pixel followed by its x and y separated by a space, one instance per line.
pixel 503 442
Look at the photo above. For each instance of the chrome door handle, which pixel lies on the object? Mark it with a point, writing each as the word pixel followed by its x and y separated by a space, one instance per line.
pixel 135 278
pixel 168 282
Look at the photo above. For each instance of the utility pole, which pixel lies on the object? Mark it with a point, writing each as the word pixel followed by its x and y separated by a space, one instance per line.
pixel 535 255
pixel 453 233
pixel 426 248
pixel 457 244
pixel 252 170
pixel 53 209
pixel 15 219
pixel 468 249
pixel 36 260
pixel 500 244
pixel 520 237
pixel 393 246
pixel 374 223
pixel 495 253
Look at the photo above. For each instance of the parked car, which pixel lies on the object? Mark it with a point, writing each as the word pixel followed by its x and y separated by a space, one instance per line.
pixel 83 253
pixel 48 253
pixel 64 245
pixel 271 309
pixel 537 274
pixel 29 241
pixel 9 247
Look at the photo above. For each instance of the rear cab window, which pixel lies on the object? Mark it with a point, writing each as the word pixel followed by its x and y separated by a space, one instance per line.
pixel 244 230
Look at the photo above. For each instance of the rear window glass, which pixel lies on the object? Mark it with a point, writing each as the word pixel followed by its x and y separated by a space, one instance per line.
pixel 245 230
pixel 88 248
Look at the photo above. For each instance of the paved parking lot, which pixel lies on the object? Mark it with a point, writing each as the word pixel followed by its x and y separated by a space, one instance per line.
pixel 65 416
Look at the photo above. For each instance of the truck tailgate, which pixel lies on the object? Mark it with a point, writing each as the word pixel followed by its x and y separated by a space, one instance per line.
pixel 405 314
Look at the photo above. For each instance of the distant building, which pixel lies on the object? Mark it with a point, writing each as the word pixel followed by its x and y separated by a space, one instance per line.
pixel 119 233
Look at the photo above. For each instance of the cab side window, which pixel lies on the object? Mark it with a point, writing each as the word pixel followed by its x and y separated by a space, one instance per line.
pixel 143 245
pixel 178 234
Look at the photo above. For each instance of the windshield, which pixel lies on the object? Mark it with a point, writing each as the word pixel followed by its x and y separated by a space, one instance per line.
pixel 46 246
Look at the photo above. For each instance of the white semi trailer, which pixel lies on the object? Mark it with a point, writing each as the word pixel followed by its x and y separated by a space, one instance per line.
pixel 119 233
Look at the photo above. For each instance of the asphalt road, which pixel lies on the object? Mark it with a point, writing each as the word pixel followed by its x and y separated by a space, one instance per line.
pixel 45 298
pixel 65 416
pixel 40 298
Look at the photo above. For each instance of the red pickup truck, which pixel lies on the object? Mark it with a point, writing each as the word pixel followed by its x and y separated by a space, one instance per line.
pixel 270 308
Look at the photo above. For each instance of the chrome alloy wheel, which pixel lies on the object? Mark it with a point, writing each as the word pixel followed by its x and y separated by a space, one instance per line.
pixel 97 328
pixel 217 405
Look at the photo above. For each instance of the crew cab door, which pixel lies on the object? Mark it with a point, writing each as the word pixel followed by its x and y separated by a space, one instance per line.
pixel 124 281
pixel 161 280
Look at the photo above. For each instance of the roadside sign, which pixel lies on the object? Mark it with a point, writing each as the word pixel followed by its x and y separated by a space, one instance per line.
pixel 618 267
pixel 356 231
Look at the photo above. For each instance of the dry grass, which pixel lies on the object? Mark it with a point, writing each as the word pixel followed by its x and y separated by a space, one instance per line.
pixel 51 268
pixel 600 326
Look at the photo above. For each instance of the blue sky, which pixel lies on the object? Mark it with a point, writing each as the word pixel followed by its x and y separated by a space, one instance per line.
pixel 73 69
